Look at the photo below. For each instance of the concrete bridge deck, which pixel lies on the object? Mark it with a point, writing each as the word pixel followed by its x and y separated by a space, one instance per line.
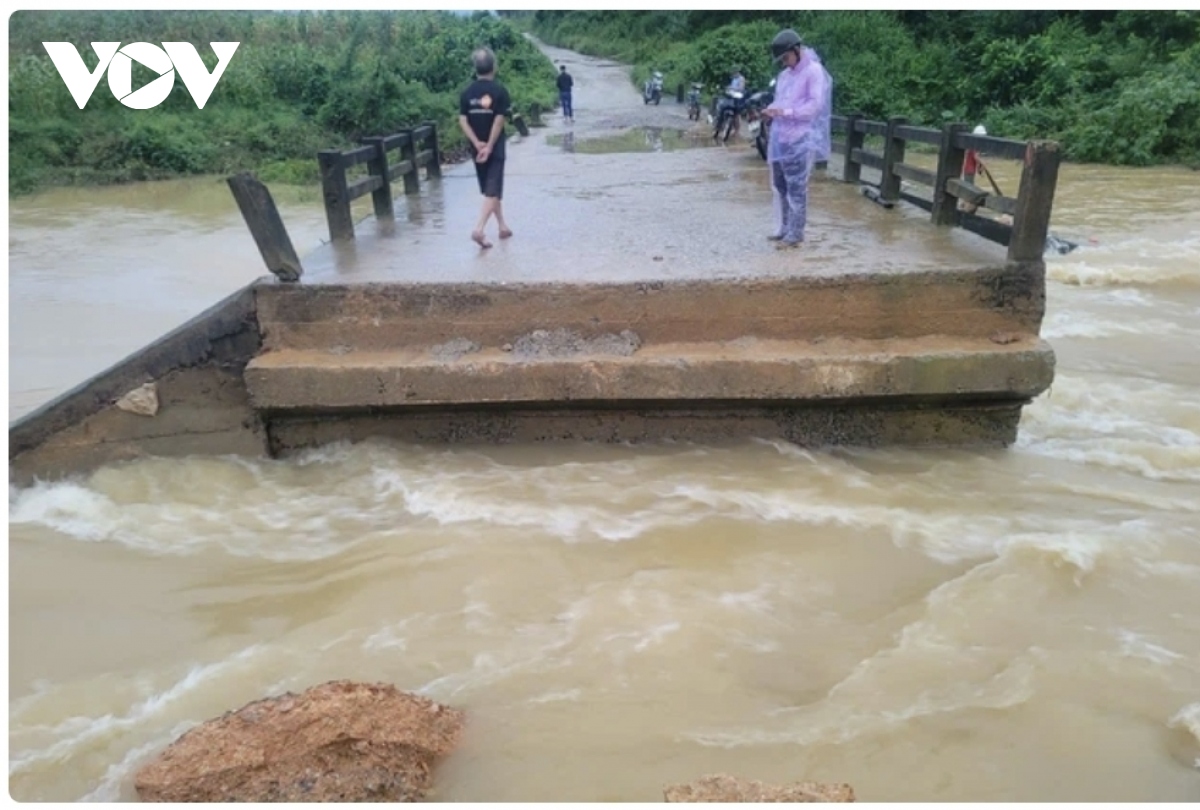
pixel 692 210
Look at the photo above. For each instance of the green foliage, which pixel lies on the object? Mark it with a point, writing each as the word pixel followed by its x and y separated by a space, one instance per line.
pixel 1152 115
pixel 1113 86
pixel 298 83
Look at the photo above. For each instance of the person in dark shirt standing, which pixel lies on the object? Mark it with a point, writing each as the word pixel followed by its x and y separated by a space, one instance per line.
pixel 565 83
pixel 482 108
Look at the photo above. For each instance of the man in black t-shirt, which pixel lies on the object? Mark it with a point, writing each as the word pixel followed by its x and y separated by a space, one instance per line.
pixel 482 108
pixel 565 83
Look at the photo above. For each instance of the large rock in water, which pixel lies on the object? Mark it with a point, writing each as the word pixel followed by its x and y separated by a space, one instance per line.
pixel 724 788
pixel 340 741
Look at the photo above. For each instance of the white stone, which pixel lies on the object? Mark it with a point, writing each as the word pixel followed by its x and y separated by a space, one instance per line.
pixel 142 400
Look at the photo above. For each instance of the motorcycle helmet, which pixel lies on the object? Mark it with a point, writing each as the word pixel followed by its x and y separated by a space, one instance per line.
pixel 979 130
pixel 786 40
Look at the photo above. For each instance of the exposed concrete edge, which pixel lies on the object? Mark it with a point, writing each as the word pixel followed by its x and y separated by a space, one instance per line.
pixel 1001 373
pixel 885 423
pixel 1034 269
pixel 191 344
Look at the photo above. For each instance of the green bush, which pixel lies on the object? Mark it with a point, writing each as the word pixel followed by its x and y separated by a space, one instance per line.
pixel 300 82
pixel 1112 86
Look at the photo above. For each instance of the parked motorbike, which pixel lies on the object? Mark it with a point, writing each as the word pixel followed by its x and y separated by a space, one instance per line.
pixel 652 89
pixel 760 127
pixel 728 114
pixel 734 106
pixel 694 101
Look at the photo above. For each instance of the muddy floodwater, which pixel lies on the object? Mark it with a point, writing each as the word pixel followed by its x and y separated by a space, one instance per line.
pixel 999 625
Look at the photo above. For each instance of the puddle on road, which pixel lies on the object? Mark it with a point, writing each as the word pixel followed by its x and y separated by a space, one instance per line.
pixel 640 139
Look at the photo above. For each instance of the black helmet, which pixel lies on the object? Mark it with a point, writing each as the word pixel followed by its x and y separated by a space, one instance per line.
pixel 784 41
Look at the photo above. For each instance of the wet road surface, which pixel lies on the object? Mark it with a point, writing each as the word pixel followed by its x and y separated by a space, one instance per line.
pixel 632 191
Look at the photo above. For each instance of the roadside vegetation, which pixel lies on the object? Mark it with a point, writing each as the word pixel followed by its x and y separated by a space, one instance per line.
pixel 299 82
pixel 1117 87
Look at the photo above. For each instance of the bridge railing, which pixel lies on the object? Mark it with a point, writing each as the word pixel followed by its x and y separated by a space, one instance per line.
pixel 1029 211
pixel 416 147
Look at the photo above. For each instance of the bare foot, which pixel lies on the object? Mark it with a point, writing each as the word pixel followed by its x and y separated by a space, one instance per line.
pixel 480 239
pixel 505 233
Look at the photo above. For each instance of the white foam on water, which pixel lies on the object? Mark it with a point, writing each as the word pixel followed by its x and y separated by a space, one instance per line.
pixel 929 669
pixel 397 636
pixel 565 695
pixel 1080 550
pixel 506 653
pixel 328 500
pixel 755 600
pixel 40 689
pixel 385 639
pixel 605 629
pixel 1087 274
pixel 1131 296
pixel 67 507
pixel 1136 645
pixel 860 706
pixel 950 537
pixel 1143 427
pixel 1142 261
pixel 76 734
pixel 487 668
pixel 1121 491
pixel 1187 718
pixel 337 497
pixel 539 498
pixel 118 505
pixel 1061 323
pixel 1168 568
pixel 643 638
pixel 109 788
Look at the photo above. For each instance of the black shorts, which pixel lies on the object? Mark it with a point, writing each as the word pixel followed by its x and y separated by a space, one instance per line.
pixel 491 178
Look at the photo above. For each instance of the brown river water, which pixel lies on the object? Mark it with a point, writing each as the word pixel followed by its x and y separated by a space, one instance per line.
pixel 928 625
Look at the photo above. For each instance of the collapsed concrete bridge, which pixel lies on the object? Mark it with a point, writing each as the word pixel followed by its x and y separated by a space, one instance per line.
pixel 919 340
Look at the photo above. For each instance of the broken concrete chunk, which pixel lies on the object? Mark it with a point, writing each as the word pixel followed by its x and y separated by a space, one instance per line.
pixel 142 400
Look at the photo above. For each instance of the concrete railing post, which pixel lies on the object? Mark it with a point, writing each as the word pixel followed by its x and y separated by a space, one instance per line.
pixel 435 162
pixel 408 152
pixel 266 226
pixel 519 122
pixel 381 197
pixel 852 169
pixel 950 165
pixel 336 193
pixel 893 153
pixel 1035 199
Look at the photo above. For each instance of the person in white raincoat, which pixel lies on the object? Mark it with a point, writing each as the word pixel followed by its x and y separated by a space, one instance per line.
pixel 800 132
